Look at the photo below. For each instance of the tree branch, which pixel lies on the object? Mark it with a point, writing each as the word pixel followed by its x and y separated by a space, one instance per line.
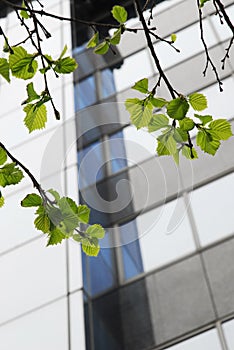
pixel 153 53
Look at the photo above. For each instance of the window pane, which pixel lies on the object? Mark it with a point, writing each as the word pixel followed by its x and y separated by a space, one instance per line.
pixel 212 206
pixel 85 93
pixel 107 83
pixel 42 329
pixel 90 164
pixel 207 340
pixel 228 328
pixel 133 70
pixel 169 229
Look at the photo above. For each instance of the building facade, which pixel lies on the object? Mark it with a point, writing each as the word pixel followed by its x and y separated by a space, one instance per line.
pixel 164 276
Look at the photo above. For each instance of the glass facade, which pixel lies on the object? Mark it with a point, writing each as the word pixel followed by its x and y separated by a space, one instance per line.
pixel 164 275
pixel 160 281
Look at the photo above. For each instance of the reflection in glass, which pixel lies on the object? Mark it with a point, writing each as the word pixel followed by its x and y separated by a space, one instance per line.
pixel 85 93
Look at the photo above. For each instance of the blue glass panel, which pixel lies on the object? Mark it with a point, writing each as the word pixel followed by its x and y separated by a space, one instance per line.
pixel 99 273
pixel 108 83
pixel 131 254
pixel 85 93
pixel 90 161
pixel 118 152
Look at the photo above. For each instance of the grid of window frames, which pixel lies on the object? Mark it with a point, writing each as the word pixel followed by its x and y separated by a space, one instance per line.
pixel 164 277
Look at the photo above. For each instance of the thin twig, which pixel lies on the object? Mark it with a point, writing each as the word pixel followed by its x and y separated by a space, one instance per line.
pixel 208 58
pixel 152 50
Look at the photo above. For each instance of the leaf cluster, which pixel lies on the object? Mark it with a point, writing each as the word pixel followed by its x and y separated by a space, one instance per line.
pixel 101 47
pixel 61 218
pixel 176 123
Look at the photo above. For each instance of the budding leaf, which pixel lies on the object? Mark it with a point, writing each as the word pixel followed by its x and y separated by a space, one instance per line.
pixel 116 37
pixel 177 108
pixel 173 37
pixel 36 117
pixel 24 14
pixel 90 248
pixel 202 2
pixel 120 14
pixel 32 95
pixel 2 201
pixel 62 53
pixel 141 85
pixel 141 114
pixel 22 64
pixel 10 174
pixel 204 118
pixel 186 124
pixel 55 194
pixel 31 200
pixel 83 214
pixel 158 121
pixel 102 48
pixel 189 153
pixel 65 65
pixel 3 156
pixel 55 237
pixel 4 69
pixel 93 41
pixel 221 129
pixel 42 223
pixel 198 101
pixel 158 102
pixel 96 231
pixel 207 142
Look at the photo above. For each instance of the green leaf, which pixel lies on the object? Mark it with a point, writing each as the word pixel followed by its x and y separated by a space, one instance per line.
pixel 42 223
pixel 203 118
pixel 3 156
pixel 176 157
pixel 186 124
pixel 180 135
pixel 93 41
pixel 31 200
pixel 141 85
pixel 2 201
pixel 90 248
pixel 166 145
pixel 24 14
pixel 70 218
pixel 4 69
pixel 36 117
pixel 120 14
pixel 115 39
pixel 32 95
pixel 10 174
pixel 102 48
pixel 173 37
pixel 83 214
pixel 65 65
pixel 96 231
pixel 158 121
pixel 198 101
pixel 55 237
pixel 63 52
pixel 221 129
pixel 207 142
pixel 202 2
pixel 55 194
pixel 188 153
pixel 177 108
pixel 141 114
pixel 158 102
pixel 22 64
pixel 77 238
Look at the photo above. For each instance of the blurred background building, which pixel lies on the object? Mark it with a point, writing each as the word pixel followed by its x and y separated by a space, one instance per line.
pixel 164 276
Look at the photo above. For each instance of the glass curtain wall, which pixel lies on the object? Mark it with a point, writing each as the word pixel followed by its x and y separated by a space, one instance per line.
pixel 163 279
